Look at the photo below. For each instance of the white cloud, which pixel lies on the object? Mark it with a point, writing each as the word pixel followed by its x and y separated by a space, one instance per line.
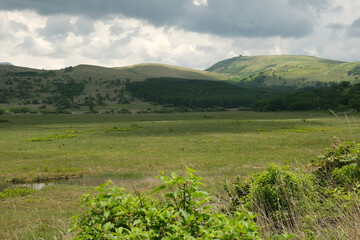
pixel 200 2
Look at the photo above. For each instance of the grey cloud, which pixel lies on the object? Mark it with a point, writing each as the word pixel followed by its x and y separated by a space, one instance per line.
pixel 318 5
pixel 117 29
pixel 59 26
pixel 27 44
pixel 83 26
pixel 158 11
pixel 354 29
pixel 336 26
pixel 255 18
pixel 337 29
pixel 16 26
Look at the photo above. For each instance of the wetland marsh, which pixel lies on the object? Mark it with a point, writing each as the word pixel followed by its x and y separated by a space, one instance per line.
pixel 131 150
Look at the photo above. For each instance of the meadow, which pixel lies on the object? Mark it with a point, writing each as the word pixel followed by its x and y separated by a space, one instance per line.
pixel 78 152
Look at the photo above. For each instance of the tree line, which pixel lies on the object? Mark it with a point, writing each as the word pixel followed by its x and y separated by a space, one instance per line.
pixel 193 93
pixel 339 96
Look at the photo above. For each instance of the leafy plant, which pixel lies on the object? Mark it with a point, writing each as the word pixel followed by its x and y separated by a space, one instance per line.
pixel 184 212
pixel 339 165
pixel 12 192
pixel 298 202
pixel 275 194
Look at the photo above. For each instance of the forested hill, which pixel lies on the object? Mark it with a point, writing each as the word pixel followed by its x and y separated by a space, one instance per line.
pixel 286 70
pixel 81 87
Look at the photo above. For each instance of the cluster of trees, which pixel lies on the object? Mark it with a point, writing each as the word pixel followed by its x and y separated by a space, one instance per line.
pixel 45 74
pixel 339 97
pixel 193 93
pixel 69 89
pixel 354 71
pixel 62 92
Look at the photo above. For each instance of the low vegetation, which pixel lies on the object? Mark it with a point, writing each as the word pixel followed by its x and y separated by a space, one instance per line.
pixel 52 137
pixel 318 204
pixel 14 192
pixel 288 204
pixel 184 212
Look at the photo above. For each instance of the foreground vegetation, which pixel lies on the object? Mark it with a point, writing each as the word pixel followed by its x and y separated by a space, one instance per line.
pixel 132 149
pixel 184 213
pixel 285 202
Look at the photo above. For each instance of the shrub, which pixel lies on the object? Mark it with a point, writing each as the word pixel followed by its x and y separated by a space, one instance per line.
pixel 19 110
pixel 276 195
pixel 56 111
pixel 323 202
pixel 2 110
pixel 124 111
pixel 184 212
pixel 339 165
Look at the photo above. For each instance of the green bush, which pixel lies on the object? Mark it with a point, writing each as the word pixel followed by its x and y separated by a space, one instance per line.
pixel 124 111
pixel 339 165
pixel 2 110
pixel 19 110
pixel 276 195
pixel 322 201
pixel 347 175
pixel 184 212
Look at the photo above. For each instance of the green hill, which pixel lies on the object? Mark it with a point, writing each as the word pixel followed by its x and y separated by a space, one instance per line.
pixel 286 70
pixel 77 88
pixel 134 73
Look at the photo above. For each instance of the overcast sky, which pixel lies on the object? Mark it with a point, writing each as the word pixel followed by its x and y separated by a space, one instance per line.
pixel 54 34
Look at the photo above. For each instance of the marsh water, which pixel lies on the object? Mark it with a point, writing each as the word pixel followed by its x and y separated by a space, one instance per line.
pixel 119 179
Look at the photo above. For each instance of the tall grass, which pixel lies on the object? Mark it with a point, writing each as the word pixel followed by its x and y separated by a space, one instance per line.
pixel 322 203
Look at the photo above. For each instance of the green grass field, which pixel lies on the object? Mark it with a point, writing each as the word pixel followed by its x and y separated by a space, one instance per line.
pixel 132 149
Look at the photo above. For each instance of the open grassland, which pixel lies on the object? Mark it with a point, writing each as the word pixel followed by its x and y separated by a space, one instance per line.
pixel 132 149
pixel 287 69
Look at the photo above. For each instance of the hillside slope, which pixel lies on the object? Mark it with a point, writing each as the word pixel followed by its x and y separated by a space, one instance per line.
pixel 82 87
pixel 286 70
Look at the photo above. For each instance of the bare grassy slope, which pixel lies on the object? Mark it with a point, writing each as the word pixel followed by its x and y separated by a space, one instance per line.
pixel 286 69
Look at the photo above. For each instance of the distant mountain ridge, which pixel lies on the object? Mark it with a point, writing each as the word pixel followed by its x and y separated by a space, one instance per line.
pixel 137 72
pixel 286 70
pixel 6 63
pixel 90 88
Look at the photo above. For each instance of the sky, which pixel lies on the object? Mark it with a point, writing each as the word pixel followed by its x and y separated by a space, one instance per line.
pixel 53 34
